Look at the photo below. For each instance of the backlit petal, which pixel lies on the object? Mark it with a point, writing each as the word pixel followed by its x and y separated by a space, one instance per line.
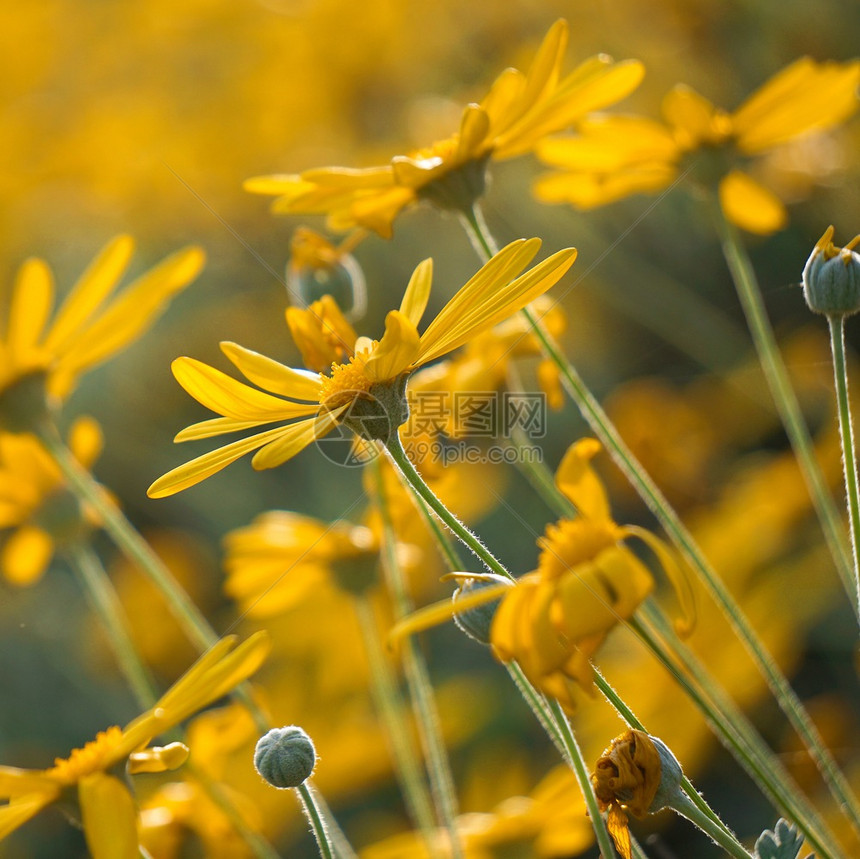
pixel 271 375
pixel 295 438
pixel 109 817
pixel 750 205
pixel 417 292
pixel 396 350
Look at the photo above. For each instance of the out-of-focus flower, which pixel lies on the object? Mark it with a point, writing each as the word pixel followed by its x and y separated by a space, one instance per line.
pixel 518 111
pixel 317 268
pixel 35 502
pixel 615 156
pixel 550 823
pixel 587 582
pixel 367 392
pixel 90 326
pixel 281 558
pixel 108 811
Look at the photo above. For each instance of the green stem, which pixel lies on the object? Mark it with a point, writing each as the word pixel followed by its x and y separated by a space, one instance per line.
pixel 781 389
pixel 341 846
pixel 312 812
pixel 418 681
pixel 718 834
pixel 677 532
pixel 580 770
pixel 416 481
pixel 103 598
pixel 846 430
pixel 140 553
pixel 390 708
pixel 538 705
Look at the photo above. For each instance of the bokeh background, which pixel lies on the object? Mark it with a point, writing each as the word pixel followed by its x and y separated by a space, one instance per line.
pixel 145 117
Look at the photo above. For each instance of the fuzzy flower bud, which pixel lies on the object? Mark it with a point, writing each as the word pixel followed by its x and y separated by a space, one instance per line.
pixel 831 277
pixel 475 622
pixel 285 757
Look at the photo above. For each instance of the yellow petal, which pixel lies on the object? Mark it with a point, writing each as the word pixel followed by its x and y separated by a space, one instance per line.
pixel 30 306
pixel 474 127
pixel 272 375
pixel 20 810
pixel 91 289
pixel 543 72
pixel 129 315
pixel 158 759
pixel 616 824
pixel 396 350
pixel 16 782
pixel 805 96
pixel 750 205
pixel 275 184
pixel 213 427
pixel 86 440
pixel 578 481
pixel 295 438
pixel 484 302
pixel 694 118
pixel 109 817
pixel 191 473
pixel 26 554
pixel 351 178
pixel 417 292
pixel 231 398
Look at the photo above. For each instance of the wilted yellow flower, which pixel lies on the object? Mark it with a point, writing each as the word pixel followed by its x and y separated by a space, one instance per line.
pixel 515 114
pixel 108 810
pixel 615 156
pixel 35 502
pixel 587 582
pixel 90 326
pixel 368 388
pixel 627 778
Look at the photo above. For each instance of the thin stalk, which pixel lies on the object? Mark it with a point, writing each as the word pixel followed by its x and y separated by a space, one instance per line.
pixel 580 770
pixel 776 375
pixel 739 736
pixel 539 706
pixel 390 708
pixel 846 431
pixel 103 598
pixel 139 552
pixel 341 846
pixel 718 834
pixel 307 798
pixel 416 481
pixel 680 536
pixel 418 682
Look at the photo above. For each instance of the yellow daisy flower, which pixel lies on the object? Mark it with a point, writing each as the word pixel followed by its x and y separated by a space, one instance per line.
pixel 90 326
pixel 518 111
pixel 587 582
pixel 35 503
pixel 614 156
pixel 108 810
pixel 364 388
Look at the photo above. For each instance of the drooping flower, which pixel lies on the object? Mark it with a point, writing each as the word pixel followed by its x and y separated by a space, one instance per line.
pixel 108 810
pixel 364 387
pixel 612 157
pixel 518 111
pixel 35 502
pixel 90 326
pixel 587 582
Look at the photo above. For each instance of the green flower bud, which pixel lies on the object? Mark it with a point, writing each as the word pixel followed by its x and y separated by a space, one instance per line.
pixel 285 757
pixel 475 622
pixel 831 277
pixel 319 268
pixel 669 789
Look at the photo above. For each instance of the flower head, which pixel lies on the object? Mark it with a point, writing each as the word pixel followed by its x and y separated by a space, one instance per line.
pixel 35 502
pixel 364 387
pixel 831 277
pixel 107 808
pixel 89 327
pixel 615 156
pixel 587 582
pixel 518 110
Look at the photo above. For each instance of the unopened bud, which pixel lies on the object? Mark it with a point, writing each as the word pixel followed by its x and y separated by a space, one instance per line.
pixel 285 757
pixel 831 277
